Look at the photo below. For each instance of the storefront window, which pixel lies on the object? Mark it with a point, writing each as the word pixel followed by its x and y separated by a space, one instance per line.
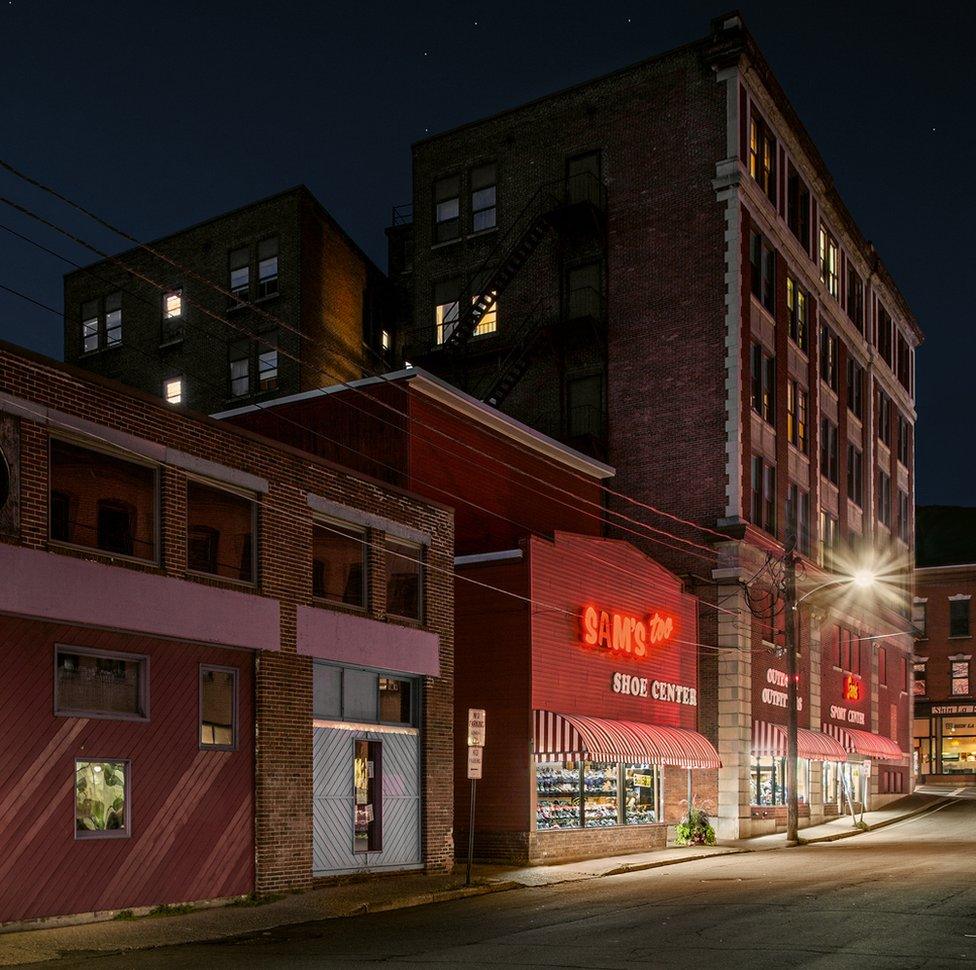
pixel 958 744
pixel 831 788
pixel 922 744
pixel 600 786
pixel 640 794
pixel 558 795
pixel 591 794
pixel 769 781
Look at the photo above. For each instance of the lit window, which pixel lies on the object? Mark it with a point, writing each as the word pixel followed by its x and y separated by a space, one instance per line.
pixel 89 325
pixel 385 339
pixel 960 677
pixel 268 362
pixel 447 209
pixel 218 707
pixel 101 799
pixel 267 267
pixel 173 304
pixel 395 701
pixel 446 308
pixel 95 683
pixel 173 390
pixel 113 319
pixel 762 156
pixel 763 383
pixel 829 262
pixel 797 306
pixel 796 416
pixel 240 274
pixel 483 198
pixel 489 319
pixel 829 356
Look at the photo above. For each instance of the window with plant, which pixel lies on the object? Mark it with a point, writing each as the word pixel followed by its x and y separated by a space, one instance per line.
pixel 101 799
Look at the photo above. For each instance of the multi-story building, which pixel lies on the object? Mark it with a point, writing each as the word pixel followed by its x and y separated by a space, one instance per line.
pixel 657 267
pixel 944 735
pixel 228 664
pixel 271 298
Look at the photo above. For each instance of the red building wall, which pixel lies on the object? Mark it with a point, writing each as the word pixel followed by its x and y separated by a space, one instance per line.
pixel 191 810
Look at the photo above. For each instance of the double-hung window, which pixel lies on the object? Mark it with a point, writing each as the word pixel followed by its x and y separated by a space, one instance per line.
pixel 239 264
pixel 239 362
pixel 884 498
pixel 798 207
pixel 796 415
pixel 267 267
pixel 920 617
pixel 763 494
pixel 268 361
pixel 829 262
pixel 855 298
pixel 884 337
pixel 483 198
pixel 798 516
pixel 113 319
pixel 762 155
pixel 172 328
pixel 904 440
pixel 101 323
pixel 828 450
pixel 829 353
pixel 173 390
pixel 855 388
pixel 798 307
pixel 90 328
pixel 763 264
pixel 855 475
pixel 763 383
pixel 883 409
pixel 959 616
pixel 447 208
pixel 828 539
pixel 959 670
pixel 904 517
pixel 903 362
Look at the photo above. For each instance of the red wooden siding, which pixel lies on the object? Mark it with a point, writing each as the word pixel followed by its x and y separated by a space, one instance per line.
pixel 191 811
pixel 569 678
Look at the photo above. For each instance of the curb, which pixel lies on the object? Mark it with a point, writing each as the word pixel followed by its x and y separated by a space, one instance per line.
pixel 877 825
pixel 425 899
pixel 643 866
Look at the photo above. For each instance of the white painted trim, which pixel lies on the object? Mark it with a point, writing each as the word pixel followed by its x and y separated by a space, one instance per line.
pixel 345 513
pixel 920 599
pixel 363 727
pixel 958 597
pixel 505 555
pixel 465 405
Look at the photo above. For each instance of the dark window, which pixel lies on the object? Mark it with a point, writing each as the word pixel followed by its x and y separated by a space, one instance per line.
pixel 828 539
pixel 829 354
pixel 239 360
pixel 829 254
pixel 4 480
pixel 368 783
pixel 763 262
pixel 903 363
pixel 218 707
pixel 101 323
pixel 920 617
pixel 855 475
pixel 447 208
pixel 102 502
pixel 763 495
pixel 904 440
pixel 798 207
pixel 101 799
pixel 220 530
pixel 904 517
pixel 395 701
pixel 855 388
pixel 239 266
pixel 883 409
pixel 796 415
pixel 90 327
pixel 959 618
pixel 339 563
pixel 404 579
pixel 855 298
pixel 267 267
pixel 828 450
pixel 483 198
pixel 762 155
pixel 268 361
pixel 92 683
pixel 584 182
pixel 763 384
pixel 798 305
pixel 584 292
pixel 584 405
pixel 798 516
pixel 884 334
pixel 884 498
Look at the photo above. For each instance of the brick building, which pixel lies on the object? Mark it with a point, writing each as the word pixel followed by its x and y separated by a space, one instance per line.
pixel 273 297
pixel 229 664
pixel 656 267
pixel 581 649
pixel 944 734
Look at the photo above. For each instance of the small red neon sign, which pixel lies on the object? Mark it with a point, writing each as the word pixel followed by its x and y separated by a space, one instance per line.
pixel 852 688
pixel 624 633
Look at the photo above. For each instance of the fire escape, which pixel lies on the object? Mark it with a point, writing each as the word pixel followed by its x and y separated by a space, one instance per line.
pixel 573 206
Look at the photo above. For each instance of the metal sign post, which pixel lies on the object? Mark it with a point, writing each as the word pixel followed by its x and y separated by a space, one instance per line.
pixel 476 751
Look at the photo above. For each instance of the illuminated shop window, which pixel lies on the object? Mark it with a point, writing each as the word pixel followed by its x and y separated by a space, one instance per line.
pixel 768 784
pixel 101 799
pixel 590 794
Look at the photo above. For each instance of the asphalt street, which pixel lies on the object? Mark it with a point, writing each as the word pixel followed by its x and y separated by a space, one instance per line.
pixel 900 897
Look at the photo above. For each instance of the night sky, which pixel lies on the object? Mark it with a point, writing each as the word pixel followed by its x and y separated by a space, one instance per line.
pixel 159 115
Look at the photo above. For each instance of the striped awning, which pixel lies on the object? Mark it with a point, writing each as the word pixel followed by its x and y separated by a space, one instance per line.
pixel 867 743
pixel 560 737
pixel 769 740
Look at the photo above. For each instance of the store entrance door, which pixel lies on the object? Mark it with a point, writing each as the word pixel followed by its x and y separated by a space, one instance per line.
pixel 365 800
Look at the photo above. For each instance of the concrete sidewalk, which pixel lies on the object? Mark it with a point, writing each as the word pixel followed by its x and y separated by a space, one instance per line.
pixel 382 893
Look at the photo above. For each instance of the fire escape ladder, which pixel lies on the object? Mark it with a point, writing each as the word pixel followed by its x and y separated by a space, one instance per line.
pixel 516 362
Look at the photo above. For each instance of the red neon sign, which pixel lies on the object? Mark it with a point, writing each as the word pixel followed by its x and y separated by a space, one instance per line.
pixel 852 688
pixel 623 633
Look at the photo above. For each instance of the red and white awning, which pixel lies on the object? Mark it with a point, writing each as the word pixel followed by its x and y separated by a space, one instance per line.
pixel 769 741
pixel 575 737
pixel 867 743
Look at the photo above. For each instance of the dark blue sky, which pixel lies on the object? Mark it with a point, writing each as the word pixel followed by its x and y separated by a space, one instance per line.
pixel 159 115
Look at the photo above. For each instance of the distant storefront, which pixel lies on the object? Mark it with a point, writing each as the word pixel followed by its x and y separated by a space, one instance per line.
pixel 944 739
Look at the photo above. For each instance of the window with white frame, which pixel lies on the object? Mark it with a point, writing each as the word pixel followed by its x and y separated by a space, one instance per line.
pixel 959 675
pixel 447 208
pixel 267 267
pixel 173 314
pixel 829 254
pixel 239 361
pixel 113 319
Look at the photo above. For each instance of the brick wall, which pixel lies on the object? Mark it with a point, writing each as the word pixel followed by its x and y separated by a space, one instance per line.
pixel 283 708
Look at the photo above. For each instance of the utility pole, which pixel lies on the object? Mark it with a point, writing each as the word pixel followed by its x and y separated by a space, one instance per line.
pixel 789 595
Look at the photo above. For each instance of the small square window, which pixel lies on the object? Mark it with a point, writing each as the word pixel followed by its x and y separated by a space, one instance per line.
pixel 218 707
pixel 102 799
pixel 173 390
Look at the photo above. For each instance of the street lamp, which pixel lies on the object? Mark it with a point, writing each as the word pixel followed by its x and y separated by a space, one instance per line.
pixel 862 578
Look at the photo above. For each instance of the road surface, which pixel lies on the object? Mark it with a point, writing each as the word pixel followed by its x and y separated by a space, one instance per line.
pixel 901 897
